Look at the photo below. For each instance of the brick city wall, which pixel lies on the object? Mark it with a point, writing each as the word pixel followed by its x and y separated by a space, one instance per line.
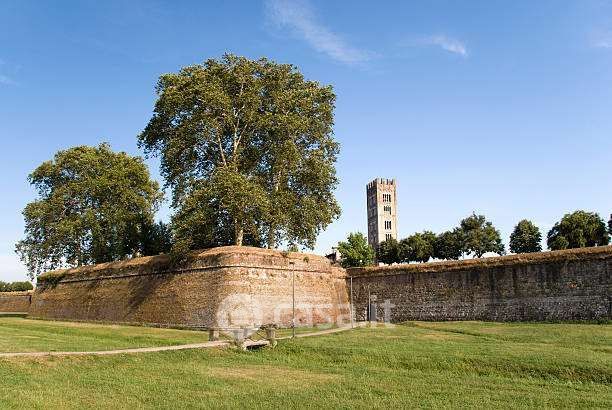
pixel 561 285
pixel 15 302
pixel 217 288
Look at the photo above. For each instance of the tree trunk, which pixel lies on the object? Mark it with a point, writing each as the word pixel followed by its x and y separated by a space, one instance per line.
pixel 271 237
pixel 271 234
pixel 239 233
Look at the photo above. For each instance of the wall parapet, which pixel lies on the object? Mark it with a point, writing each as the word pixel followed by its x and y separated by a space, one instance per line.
pixel 209 259
pixel 597 252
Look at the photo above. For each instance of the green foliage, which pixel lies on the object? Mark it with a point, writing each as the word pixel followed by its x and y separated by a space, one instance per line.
pixel 293 248
pixel 525 238
pixel 480 236
pixel 388 252
pixel 356 251
pixel 475 235
pixel 610 225
pixel 418 247
pixel 15 286
pixel 92 206
pixel 156 238
pixel 247 149
pixel 578 230
pixel 449 245
pixel 232 204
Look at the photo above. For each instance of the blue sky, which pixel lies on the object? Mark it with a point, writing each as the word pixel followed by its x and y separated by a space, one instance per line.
pixel 498 107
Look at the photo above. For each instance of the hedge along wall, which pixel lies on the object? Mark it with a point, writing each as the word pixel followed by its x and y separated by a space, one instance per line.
pixel 218 288
pixel 11 302
pixel 561 285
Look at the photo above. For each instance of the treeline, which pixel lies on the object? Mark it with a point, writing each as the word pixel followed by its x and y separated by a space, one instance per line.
pixel 15 286
pixel 475 236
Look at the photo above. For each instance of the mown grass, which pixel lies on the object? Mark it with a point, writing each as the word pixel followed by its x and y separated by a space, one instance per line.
pixel 26 335
pixel 448 365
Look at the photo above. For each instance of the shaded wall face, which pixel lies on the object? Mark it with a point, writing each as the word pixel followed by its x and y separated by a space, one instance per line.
pixel 11 302
pixel 563 287
pixel 221 289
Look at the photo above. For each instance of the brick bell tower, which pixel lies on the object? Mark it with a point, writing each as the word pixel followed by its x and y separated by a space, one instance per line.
pixel 381 197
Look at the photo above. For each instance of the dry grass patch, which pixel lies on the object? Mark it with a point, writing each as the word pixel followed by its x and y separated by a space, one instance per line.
pixel 274 375
pixel 441 336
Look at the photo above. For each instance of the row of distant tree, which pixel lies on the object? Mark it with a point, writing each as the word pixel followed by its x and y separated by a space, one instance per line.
pixel 15 286
pixel 475 236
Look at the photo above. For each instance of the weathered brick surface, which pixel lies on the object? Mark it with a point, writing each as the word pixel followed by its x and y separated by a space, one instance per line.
pixel 221 287
pixel 15 301
pixel 561 285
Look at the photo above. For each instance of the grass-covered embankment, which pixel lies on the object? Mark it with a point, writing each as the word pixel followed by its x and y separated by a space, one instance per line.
pixel 452 364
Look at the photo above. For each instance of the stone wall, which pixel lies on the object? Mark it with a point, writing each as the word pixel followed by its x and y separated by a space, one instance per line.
pixel 562 285
pixel 15 302
pixel 218 288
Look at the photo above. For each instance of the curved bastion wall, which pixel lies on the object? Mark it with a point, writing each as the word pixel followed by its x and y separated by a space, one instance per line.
pixel 224 287
pixel 571 284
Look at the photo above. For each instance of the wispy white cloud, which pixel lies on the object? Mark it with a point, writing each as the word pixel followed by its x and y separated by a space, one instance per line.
pixel 600 38
pixel 603 42
pixel 299 17
pixel 446 43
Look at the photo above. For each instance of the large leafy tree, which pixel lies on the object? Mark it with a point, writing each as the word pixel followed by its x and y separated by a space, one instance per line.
pixel 578 230
pixel 418 247
pixel 356 251
pixel 610 225
pixel 388 252
pixel 93 205
pixel 525 238
pixel 480 236
pixel 449 245
pixel 247 149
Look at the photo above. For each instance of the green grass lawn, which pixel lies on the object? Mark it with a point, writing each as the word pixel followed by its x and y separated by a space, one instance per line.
pixel 26 335
pixel 420 364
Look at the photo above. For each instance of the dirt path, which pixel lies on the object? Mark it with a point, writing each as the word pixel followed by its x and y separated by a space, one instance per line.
pixel 219 343
pixel 324 332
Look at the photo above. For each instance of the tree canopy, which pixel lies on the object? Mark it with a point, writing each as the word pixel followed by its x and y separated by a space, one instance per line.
pixel 449 245
pixel 247 149
pixel 93 205
pixel 356 251
pixel 418 247
pixel 578 230
pixel 525 238
pixel 480 236
pixel 388 252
